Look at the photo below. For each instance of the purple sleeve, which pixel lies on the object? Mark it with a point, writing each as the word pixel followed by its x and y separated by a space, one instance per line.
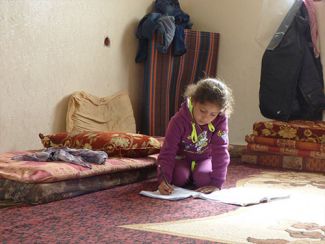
pixel 166 158
pixel 220 154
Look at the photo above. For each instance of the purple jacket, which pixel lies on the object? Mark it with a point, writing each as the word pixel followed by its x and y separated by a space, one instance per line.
pixel 210 144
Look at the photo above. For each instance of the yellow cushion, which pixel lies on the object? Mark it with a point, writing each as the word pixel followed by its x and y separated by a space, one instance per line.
pixel 90 113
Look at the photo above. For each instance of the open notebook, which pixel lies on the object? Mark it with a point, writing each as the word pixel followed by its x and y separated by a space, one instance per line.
pixel 241 196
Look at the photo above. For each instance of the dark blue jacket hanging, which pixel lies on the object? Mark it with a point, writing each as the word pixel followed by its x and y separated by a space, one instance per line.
pixel 160 19
pixel 149 24
pixel 291 85
pixel 182 22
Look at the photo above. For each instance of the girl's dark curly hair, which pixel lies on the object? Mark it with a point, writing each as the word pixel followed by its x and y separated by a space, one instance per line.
pixel 214 91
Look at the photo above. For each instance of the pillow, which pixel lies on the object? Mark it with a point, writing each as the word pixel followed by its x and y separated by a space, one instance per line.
pixel 121 144
pixel 55 140
pixel 90 113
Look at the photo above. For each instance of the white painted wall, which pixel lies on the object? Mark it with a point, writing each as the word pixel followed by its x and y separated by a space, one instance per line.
pixel 51 48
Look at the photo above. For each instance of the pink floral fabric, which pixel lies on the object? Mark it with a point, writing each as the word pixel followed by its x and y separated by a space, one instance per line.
pixel 44 172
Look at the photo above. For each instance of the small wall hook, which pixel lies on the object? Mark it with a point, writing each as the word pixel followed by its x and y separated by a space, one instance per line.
pixel 107 41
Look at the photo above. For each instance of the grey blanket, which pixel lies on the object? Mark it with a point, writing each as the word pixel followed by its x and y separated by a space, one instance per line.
pixel 82 157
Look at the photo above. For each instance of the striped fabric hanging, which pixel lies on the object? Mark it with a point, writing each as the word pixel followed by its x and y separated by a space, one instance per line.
pixel 166 77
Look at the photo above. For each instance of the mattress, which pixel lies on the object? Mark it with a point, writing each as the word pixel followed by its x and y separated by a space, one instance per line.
pixel 41 182
pixel 277 142
pixel 292 162
pixel 254 147
pixel 308 131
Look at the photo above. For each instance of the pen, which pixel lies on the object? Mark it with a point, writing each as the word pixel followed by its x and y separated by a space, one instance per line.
pixel 166 181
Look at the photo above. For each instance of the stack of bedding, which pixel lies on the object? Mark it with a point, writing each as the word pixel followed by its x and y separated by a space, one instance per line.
pixel 297 145
pixel 131 157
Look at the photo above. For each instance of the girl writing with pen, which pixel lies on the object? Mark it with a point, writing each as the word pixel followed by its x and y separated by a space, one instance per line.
pixel 195 149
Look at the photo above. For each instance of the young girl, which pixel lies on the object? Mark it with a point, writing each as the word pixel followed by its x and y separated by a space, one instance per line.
pixel 195 149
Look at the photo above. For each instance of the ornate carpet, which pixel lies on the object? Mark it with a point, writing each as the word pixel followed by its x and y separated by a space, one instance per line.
pixel 299 219
pixel 121 215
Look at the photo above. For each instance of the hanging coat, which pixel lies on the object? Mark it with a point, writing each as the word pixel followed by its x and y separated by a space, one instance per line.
pixel 291 85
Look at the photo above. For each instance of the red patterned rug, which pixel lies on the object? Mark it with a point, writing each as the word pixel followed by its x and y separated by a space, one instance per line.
pixel 121 215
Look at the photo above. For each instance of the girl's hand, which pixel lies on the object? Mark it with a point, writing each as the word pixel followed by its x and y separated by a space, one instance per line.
pixel 165 188
pixel 207 189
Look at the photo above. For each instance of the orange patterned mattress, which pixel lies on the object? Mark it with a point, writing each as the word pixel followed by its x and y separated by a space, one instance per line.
pixel 292 162
pixel 308 131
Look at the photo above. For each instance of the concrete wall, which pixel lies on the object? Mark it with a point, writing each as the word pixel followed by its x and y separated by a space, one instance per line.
pixel 51 48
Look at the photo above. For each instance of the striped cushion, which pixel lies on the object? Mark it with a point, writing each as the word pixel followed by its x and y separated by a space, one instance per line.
pixel 167 76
